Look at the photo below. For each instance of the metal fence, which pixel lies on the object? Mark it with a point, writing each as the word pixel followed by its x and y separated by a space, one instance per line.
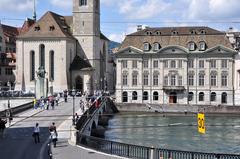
pixel 142 152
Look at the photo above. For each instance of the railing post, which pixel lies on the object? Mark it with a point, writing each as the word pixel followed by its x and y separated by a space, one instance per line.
pixel 111 147
pixel 151 153
pixel 128 150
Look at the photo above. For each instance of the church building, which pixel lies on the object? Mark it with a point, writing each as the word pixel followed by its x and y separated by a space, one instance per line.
pixel 71 49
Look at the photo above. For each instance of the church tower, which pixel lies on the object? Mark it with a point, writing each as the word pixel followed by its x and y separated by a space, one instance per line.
pixel 86 29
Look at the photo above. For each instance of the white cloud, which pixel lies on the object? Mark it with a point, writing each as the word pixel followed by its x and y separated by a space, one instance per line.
pixel 213 9
pixel 119 37
pixel 65 4
pixel 142 9
pixel 16 5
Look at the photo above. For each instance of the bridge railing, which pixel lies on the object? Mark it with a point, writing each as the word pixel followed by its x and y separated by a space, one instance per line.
pixel 142 152
pixel 88 115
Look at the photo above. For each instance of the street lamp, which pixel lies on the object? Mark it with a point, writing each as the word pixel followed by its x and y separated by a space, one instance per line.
pixel 9 85
pixel 73 94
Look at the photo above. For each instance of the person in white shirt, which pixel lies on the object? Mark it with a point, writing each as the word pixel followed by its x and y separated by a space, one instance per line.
pixel 36 132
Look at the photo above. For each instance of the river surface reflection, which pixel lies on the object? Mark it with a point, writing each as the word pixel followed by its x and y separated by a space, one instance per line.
pixel 176 132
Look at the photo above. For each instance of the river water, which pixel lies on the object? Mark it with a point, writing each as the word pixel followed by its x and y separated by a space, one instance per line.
pixel 176 132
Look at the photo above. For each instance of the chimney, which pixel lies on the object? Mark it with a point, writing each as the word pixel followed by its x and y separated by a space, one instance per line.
pixel 139 27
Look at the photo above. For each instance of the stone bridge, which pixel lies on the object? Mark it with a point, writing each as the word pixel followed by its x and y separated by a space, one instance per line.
pixel 94 120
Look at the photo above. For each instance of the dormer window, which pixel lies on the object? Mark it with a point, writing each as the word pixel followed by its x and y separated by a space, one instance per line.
pixel 82 2
pixel 203 31
pixel 149 33
pixel 202 46
pixel 158 33
pixel 146 46
pixel 191 46
pixel 65 28
pixel 37 28
pixel 193 32
pixel 51 28
pixel 174 32
pixel 156 46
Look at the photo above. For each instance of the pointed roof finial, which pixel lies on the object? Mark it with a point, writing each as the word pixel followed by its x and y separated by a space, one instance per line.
pixel 34 11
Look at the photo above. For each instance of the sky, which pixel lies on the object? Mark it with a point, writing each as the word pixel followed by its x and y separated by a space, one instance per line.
pixel 120 17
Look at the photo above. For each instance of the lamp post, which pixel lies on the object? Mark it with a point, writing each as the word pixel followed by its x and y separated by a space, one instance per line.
pixel 9 85
pixel 73 94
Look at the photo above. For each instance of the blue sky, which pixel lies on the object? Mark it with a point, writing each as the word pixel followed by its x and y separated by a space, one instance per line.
pixel 120 17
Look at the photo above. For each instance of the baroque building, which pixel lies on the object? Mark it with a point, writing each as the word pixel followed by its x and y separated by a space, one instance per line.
pixel 234 38
pixel 176 65
pixel 71 49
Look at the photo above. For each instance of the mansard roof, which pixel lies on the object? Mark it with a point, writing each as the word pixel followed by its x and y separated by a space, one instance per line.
pixel 167 36
pixel 79 64
pixel 41 29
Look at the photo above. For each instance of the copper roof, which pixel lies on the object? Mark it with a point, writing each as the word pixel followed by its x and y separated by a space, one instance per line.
pixel 167 36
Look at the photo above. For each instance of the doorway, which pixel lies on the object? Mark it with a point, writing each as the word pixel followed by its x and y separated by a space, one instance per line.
pixel 173 98
pixel 79 83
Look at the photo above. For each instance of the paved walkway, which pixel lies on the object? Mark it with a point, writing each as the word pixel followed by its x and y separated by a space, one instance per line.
pixel 66 151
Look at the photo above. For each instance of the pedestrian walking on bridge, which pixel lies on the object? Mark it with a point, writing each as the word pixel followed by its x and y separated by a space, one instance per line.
pixel 36 133
pixel 2 127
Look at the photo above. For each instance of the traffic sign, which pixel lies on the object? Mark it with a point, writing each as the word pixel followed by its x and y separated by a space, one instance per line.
pixel 201 123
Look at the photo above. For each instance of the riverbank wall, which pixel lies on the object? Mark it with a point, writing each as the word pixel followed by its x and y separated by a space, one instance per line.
pixel 172 108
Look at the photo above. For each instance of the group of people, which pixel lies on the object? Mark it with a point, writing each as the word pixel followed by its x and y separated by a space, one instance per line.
pixel 44 103
pixel 52 131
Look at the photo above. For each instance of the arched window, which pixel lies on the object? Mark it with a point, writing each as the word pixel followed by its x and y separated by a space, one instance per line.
pixel 191 46
pixel 224 98
pixel 156 46
pixel 146 46
pixel 202 46
pixel 42 56
pixel 213 97
pixel 190 96
pixel 201 97
pixel 32 65
pixel 155 96
pixel 125 97
pixel 145 95
pixel 82 2
pixel 134 95
pixel 51 68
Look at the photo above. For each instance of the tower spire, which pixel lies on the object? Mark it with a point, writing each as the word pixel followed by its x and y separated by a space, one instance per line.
pixel 34 11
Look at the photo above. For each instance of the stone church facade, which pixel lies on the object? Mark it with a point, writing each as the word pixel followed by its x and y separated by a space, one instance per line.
pixel 176 65
pixel 72 50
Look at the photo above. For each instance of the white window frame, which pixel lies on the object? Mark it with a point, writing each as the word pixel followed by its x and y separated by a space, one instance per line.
pixel 224 63
pixel 124 64
pixel 224 80
pixel 155 64
pixel 134 80
pixel 201 64
pixel 155 80
pixel 134 64
pixel 146 46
